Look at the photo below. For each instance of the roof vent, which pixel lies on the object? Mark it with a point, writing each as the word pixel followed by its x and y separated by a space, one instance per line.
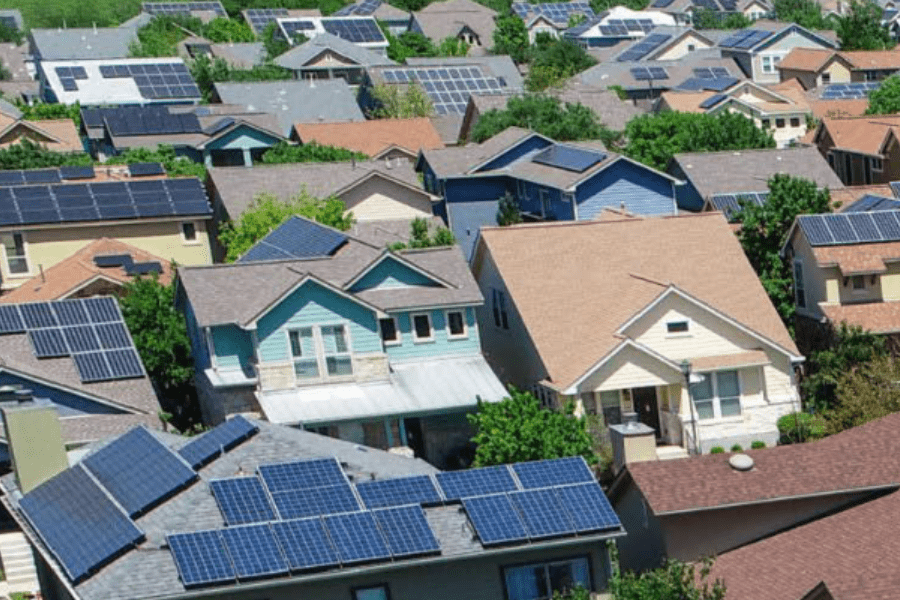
pixel 740 462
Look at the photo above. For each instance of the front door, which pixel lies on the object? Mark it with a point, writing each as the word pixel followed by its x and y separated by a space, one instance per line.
pixel 646 406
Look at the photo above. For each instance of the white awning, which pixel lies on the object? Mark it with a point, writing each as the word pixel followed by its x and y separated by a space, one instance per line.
pixel 414 388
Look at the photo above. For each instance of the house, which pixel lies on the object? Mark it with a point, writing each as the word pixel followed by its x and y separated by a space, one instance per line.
pixel 318 329
pixel 195 533
pixel 237 55
pixel 168 218
pixel 327 56
pixel 550 181
pixel 780 109
pixel 816 67
pixel 551 18
pixel 294 101
pixel 205 11
pixel 21 84
pixel 615 25
pixel 102 268
pixel 362 31
pixel 683 10
pixel 218 135
pixel 260 18
pixel 597 313
pixel 58 135
pixel 713 180
pixel 466 20
pixel 379 138
pixel 715 506
pixel 861 150
pixel 396 20
pixel 125 81
pixel 97 43
pixel 759 50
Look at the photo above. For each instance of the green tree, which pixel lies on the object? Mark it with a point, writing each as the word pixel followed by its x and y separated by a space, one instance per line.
pixel 159 332
pixel 764 228
pixel 420 237
pixel 282 152
pixel 175 166
pixel 861 28
pixel 886 99
pixel 654 138
pixel 207 72
pixel 39 111
pixel 410 5
pixel 575 20
pixel 519 429
pixel 545 115
pixel 452 46
pixel 806 13
pixel 30 155
pixel 705 18
pixel 511 38
pixel 865 393
pixel 11 35
pixel 267 212
pixel 274 44
pixel 600 5
pixel 553 60
pixel 160 37
pixel 673 581
pixel 392 102
pixel 508 212
pixel 847 349
pixel 223 30
pixel 407 44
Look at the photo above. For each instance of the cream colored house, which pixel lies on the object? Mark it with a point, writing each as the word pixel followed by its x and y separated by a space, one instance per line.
pixel 603 314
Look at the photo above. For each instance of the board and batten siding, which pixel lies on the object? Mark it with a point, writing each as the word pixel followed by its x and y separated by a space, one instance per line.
pixel 312 305
pixel 442 345
pixel 243 138
pixel 639 189
pixel 233 347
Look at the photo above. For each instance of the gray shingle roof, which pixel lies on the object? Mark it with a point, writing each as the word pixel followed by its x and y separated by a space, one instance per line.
pixel 611 73
pixel 440 20
pixel 82 44
pixel 297 58
pixel 240 55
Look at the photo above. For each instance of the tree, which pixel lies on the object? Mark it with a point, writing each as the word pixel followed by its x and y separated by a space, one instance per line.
pixel 30 155
pixel 41 110
pixel 160 36
pixel 865 393
pixel 274 44
pixel 705 18
pixel 545 115
pixel 848 349
pixel 519 429
pixel 223 30
pixel 764 228
pixel 11 35
pixel 806 13
pixel 511 37
pixel 452 46
pixel 282 152
pixel 420 237
pixel 159 332
pixel 175 166
pixel 861 28
pixel 206 72
pixel 600 5
pixel 267 212
pixel 391 102
pixel 407 44
pixel 508 212
pixel 886 99
pixel 673 581
pixel 654 138
pixel 554 60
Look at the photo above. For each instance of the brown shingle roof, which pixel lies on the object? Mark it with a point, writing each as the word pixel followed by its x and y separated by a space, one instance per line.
pixel 605 273
pixel 806 59
pixel 440 20
pixel 858 258
pixel 372 137
pixel 836 108
pixel 860 134
pixel 851 194
pixel 877 317
pixel 873 59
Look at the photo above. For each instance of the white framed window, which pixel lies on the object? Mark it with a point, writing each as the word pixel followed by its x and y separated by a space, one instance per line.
pixel 15 251
pixel 303 353
pixel 678 327
pixel 390 332
pixel 336 351
pixel 799 285
pixel 189 232
pixel 320 352
pixel 859 283
pixel 718 395
pixel 826 78
pixel 501 319
pixel 546 208
pixel 876 164
pixel 769 61
pixel 540 581
pixel 421 327
pixel 456 324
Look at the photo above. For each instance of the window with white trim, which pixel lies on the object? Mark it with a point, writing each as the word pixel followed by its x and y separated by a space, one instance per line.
pixel 799 286
pixel 499 305
pixel 15 254
pixel 421 326
pixel 456 324
pixel 717 395
pixel 390 333
pixel 336 351
pixel 876 164
pixel 676 327
pixel 303 352
pixel 320 352
pixel 541 581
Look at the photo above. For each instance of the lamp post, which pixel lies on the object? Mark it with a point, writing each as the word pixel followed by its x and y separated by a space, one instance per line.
pixel 686 371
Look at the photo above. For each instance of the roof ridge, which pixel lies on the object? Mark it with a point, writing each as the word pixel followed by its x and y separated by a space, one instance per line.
pixel 600 221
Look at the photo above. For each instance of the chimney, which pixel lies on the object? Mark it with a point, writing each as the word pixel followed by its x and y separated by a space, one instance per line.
pixel 632 441
pixel 36 446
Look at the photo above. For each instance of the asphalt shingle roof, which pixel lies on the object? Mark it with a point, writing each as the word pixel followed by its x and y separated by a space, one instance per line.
pixel 298 57
pixel 82 44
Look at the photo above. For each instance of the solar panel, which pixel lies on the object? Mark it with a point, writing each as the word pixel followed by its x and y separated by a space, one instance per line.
pixel 588 507
pixel 543 514
pixel 10 319
pixel 80 338
pixel 303 474
pixel 456 485
pixel 242 500
pixel 147 168
pixel 164 80
pixel 42 176
pixel 254 551
pixel 70 312
pixel 296 238
pixel 713 101
pixel 10 178
pixel 102 310
pixel 305 544
pixel 124 363
pixel 356 537
pixel 219 439
pixel 888 224
pixel 558 471
pixel 449 89
pixel 92 366
pixel 201 558
pixel 86 172
pixel 48 343
pixel 37 315
pixel 358 30
pixel 113 335
pixel 82 527
pixel 643 47
pixel 260 18
pixel 569 158
pixel 312 502
pixel 407 531
pixel 495 519
pixel 418 489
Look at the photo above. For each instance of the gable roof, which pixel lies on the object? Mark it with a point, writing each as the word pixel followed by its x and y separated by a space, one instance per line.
pixel 863 135
pixel 82 44
pixel 372 137
pixel 873 59
pixel 440 20
pixel 807 59
pixel 298 57
pixel 621 267
pixel 60 135
pixel 612 72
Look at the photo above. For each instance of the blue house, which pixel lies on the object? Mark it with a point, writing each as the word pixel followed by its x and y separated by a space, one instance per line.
pixel 317 329
pixel 550 181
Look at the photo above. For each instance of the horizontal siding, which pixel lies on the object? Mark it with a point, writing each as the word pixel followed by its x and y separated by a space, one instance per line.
pixel 560 210
pixel 390 273
pixel 243 138
pixel 441 346
pixel 233 347
pixel 199 349
pixel 638 188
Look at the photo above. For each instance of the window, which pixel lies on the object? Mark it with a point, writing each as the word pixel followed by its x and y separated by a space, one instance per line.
pixel 799 286
pixel 611 406
pixel 303 351
pixel 859 283
pixel 729 393
pixel 779 123
pixel 523 191
pixel 499 304
pixel 768 65
pixel 378 592
pixel 545 203
pixel 337 353
pixel 456 324
pixel 14 248
pixel 691 47
pixel 718 395
pixel 795 122
pixel 320 352
pixel 389 332
pixel 422 328
pixel 189 232
pixel 876 164
pixel 541 580
pixel 826 78
pixel 677 327
pixel 766 123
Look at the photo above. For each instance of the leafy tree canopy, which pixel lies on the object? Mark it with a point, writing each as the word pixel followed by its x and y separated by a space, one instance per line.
pixel 545 115
pixel 553 60
pixel 673 581
pixel 764 228
pixel 268 212
pixel 705 18
pixel 160 37
pixel 508 212
pixel 654 138
pixel 519 429
pixel 10 35
pixel 175 166
pixel 865 393
pixel 601 5
pixel 886 99
pixel 282 152
pixel 511 38
pixel 391 102
pixel 861 28
pixel 223 30
pixel 207 72
pixel 412 44
pixel 274 44
pixel 30 155
pixel 421 238
pixel 806 13
pixel 41 110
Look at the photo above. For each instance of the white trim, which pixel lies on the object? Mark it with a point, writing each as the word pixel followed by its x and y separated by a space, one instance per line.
pixel 412 328
pixel 679 334
pixel 86 283
pixel 74 391
pixel 627 343
pixel 465 324
pixel 398 341
pixel 319 354
pixel 716 400
pixel 211 349
pixel 188 242
pixel 546 202
pixel 30 271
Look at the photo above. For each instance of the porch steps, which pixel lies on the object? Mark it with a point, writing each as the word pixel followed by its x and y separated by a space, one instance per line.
pixel 18 563
pixel 670 452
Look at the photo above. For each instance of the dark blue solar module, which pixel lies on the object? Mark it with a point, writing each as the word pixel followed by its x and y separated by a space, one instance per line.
pixel 542 513
pixel 11 319
pixel 260 18
pixel 79 523
pixel 558 471
pixel 852 228
pixel 141 120
pixel 713 101
pixel 254 551
pixel 296 238
pixel 359 30
pixel 103 310
pixel 418 489
pixel 305 544
pixel 139 470
pixel 86 172
pixel 302 474
pixel 356 537
pixel 113 335
pixel 146 168
pixel 41 176
pixel 92 366
pixel 80 338
pixel 37 315
pixel 476 482
pixel 201 558
pixel 242 500
pixel 495 519
pixel 180 8
pixel 568 158
pixel 872 203
pixel 588 507
pixel 221 438
pixel 407 531
pixel 48 343
pixel 70 312
pixel 170 80
pixel 312 502
pixel 124 363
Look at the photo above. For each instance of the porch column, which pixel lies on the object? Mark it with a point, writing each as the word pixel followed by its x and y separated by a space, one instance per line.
pixel 248 160
pixel 207 158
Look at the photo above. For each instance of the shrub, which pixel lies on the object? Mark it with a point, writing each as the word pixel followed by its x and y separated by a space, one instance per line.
pixel 756 445
pixel 737 448
pixel 717 450
pixel 796 428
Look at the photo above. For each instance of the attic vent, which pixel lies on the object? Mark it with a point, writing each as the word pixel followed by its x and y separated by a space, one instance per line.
pixel 741 462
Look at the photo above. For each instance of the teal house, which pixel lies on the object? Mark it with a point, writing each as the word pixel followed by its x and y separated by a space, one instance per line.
pixel 317 329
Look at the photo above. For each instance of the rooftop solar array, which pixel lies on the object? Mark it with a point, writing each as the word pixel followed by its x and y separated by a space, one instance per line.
pixel 39 176
pixel 297 27
pixel 181 8
pixel 626 27
pixel 260 18
pixel 661 3
pixel 849 91
pixel 126 262
pixel 155 81
pixel 102 201
pixel 851 228
pixel 448 88
pixel 649 73
pixel 456 485
pixel 364 8
pixel 221 438
pixel 555 12
pixel 745 39
pixel 711 72
pixel 570 158
pixel 356 30
pixel 872 203
pixel 140 120
pixel 145 168
pixel 731 203
pixel 69 77
pixel 296 238
pixel 242 500
pixel 712 101
pixel 644 47
pixel 715 84
pixel 419 489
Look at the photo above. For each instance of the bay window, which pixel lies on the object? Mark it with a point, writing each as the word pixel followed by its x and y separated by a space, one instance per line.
pixel 717 395
pixel 541 581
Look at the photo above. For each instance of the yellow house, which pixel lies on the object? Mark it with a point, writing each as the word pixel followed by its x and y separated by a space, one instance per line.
pixel 815 67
